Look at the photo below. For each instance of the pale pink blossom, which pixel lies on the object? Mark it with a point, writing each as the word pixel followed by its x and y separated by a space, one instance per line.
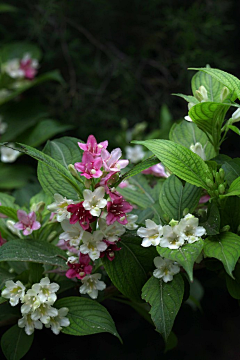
pixel 28 66
pixel 90 166
pixel 27 222
pixel 156 170
pixel 92 146
pixel 111 160
pixel 204 199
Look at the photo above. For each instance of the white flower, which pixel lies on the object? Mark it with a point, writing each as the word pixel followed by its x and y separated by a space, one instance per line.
pixel 236 116
pixel 46 290
pixel 151 234
pixel 73 259
pixel 93 244
pixel 60 207
pixel 30 302
pixel 8 155
pixel 14 291
pixel 134 153
pixel 29 324
pixel 10 225
pixel 91 285
pixel 188 226
pixel 12 68
pixel 3 126
pixel 94 200
pixel 131 218
pixel 201 94
pixel 172 237
pixel 44 313
pixel 199 150
pixel 111 232
pixel 165 269
pixel 187 118
pixel 73 233
pixel 58 322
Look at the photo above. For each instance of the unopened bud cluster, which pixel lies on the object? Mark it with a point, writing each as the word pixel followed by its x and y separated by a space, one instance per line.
pixel 217 186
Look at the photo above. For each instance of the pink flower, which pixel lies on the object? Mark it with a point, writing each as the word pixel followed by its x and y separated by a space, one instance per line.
pixel 81 269
pixel 81 215
pixel 108 180
pixel 27 222
pixel 117 209
pixel 90 166
pixel 123 184
pixel 111 161
pixel 64 245
pixel 2 241
pixel 204 199
pixel 92 146
pixel 109 252
pixel 156 170
pixel 29 67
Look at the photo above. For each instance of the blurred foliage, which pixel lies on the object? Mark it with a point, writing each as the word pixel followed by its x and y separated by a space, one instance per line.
pixel 122 59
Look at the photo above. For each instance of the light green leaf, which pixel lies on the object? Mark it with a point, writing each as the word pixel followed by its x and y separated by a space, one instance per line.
pixel 15 343
pixel 187 133
pixel 86 317
pixel 228 80
pixel 9 212
pixel 180 161
pixel 174 198
pixel 14 176
pixel 34 251
pixel 129 270
pixel 234 128
pixel 7 200
pixel 224 247
pixel 185 255
pixel 165 300
pixel 188 98
pixel 234 188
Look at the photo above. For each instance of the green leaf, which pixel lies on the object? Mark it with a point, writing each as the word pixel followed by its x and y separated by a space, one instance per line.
pixel 15 343
pixel 233 286
pixel 129 270
pixel 8 312
pixel 9 212
pixel 5 275
pixel 7 8
pixel 187 133
pixel 231 168
pixel 234 128
pixel 17 50
pixel 34 251
pixel 86 317
pixel 7 200
pixel 234 188
pixel 185 255
pixel 174 197
pixel 165 300
pixel 14 176
pixel 171 343
pixel 180 161
pixel 230 213
pixel 228 80
pixel 224 247
pixel 188 98
pixel 65 151
pixel 212 224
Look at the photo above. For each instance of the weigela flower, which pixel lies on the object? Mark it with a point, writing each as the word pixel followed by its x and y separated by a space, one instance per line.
pixel 92 146
pixel 134 153
pixel 56 323
pixel 151 234
pixel 131 225
pixel 10 225
pixel 29 324
pixel 14 291
pixel 73 233
pixel 172 237
pixel 27 222
pixel 12 68
pixel 117 209
pixel 43 313
pixel 30 302
pixel 28 66
pixel 111 232
pixel 90 166
pixel 156 170
pixel 199 150
pixel 165 269
pixel 46 290
pixel 9 155
pixel 60 207
pixel 65 245
pixel 109 252
pixel 94 200
pixel 79 269
pixel 111 162
pixel 91 285
pixel 80 214
pixel 188 226
pixel 93 244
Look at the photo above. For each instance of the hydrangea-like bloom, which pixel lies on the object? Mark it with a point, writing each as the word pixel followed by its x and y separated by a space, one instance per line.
pixel 90 166
pixel 111 162
pixel 151 234
pixel 117 209
pixel 14 291
pixel 60 207
pixel 79 269
pixel 94 200
pixel 56 323
pixel 80 214
pixel 27 222
pixel 165 269
pixel 91 285
pixel 92 146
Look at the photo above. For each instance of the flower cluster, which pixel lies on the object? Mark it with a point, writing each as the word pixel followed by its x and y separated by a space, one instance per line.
pixel 25 68
pixel 37 309
pixel 172 236
pixel 92 227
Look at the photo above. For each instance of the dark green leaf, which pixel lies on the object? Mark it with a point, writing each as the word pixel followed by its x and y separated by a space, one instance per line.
pixel 212 224
pixel 15 343
pixel 233 286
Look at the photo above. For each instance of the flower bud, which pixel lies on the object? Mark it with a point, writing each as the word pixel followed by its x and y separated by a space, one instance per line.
pixel 185 211
pixel 224 93
pixel 225 228
pixel 236 116
pixel 173 222
pixel 72 170
pixel 221 189
pixel 199 150
pixel 51 236
pixel 201 94
pixel 221 173
pixel 210 183
pixel 39 207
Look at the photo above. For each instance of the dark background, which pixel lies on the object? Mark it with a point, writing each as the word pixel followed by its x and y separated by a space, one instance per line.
pixel 124 59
